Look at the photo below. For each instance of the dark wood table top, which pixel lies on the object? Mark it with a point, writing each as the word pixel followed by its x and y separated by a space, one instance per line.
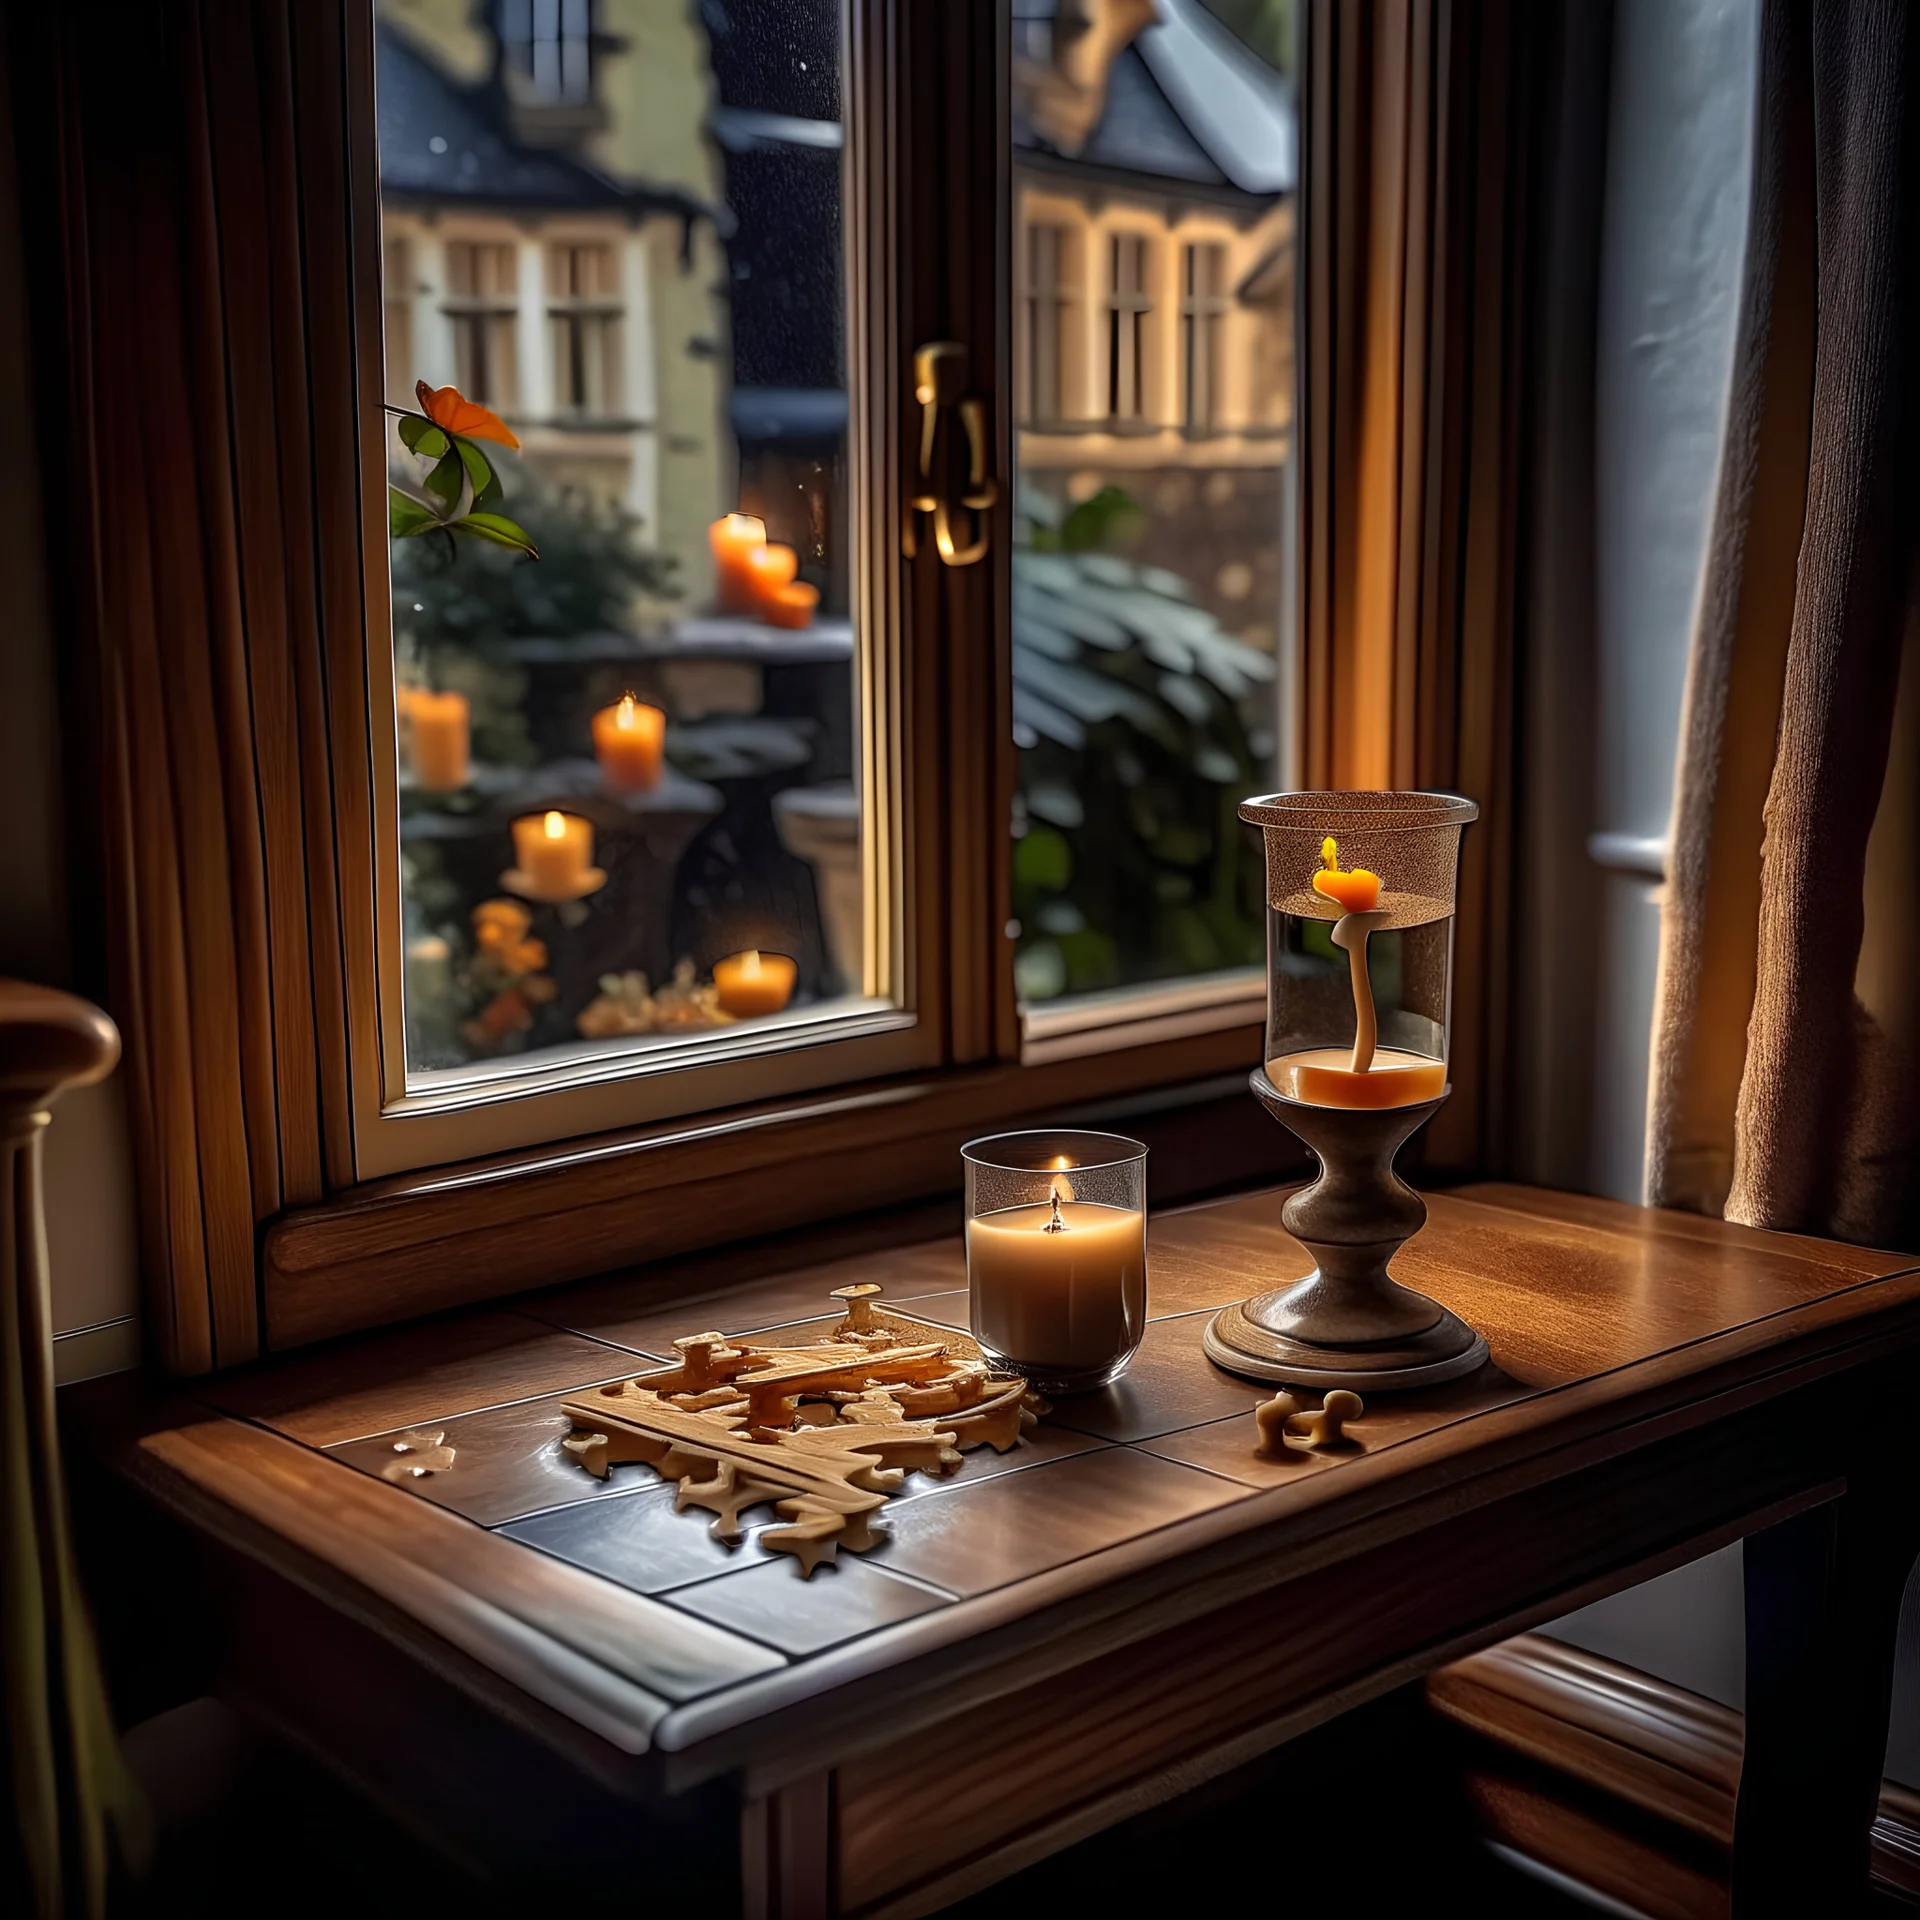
pixel 1132 1509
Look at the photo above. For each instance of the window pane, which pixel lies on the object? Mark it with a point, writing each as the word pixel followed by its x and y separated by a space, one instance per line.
pixel 1154 177
pixel 628 801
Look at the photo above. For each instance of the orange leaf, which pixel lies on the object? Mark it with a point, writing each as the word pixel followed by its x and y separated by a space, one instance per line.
pixel 449 409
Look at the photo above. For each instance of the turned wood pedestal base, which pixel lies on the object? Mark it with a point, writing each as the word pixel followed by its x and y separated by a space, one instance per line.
pixel 1349 1323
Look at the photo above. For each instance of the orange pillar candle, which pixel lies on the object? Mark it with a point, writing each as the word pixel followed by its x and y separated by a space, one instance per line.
pixel 628 738
pixel 439 730
pixel 771 567
pixel 752 983
pixel 553 855
pixel 790 606
pixel 735 539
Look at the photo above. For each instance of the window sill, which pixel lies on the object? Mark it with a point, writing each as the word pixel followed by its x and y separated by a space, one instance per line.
pixel 419 1243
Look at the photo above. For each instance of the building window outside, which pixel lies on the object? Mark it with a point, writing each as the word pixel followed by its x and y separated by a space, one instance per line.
pixel 549 45
pixel 482 308
pixel 1129 307
pixel 1203 310
pixel 1046 322
pixel 1151 578
pixel 397 317
pixel 585 317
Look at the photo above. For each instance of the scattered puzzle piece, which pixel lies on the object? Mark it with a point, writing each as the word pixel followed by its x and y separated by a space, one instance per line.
pixel 1271 1417
pixel 1283 1423
pixel 1327 1426
pixel 418 1452
pixel 825 1433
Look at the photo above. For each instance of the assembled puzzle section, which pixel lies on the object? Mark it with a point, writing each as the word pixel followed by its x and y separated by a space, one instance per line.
pixel 825 1432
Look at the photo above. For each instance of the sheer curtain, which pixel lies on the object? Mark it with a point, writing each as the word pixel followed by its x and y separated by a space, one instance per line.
pixel 1782 1089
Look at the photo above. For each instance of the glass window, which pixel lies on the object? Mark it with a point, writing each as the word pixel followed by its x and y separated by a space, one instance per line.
pixel 628 795
pixel 1129 312
pixel 585 314
pixel 1043 347
pixel 397 319
pixel 1154 185
pixel 482 310
pixel 548 45
pixel 1203 310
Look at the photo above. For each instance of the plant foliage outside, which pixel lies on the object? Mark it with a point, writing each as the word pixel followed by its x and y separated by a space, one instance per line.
pixel 1135 714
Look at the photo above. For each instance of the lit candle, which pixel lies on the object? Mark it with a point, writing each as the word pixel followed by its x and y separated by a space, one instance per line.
pixel 734 540
pixel 627 741
pixel 790 606
pixel 1355 892
pixel 553 855
pixel 753 982
pixel 1364 1075
pixel 1060 1287
pixel 771 567
pixel 439 729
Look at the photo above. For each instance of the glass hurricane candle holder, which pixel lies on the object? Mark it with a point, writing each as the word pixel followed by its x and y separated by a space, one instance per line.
pixel 1360 903
pixel 1057 1254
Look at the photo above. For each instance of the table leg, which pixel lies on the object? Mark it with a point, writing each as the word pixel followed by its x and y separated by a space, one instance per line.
pixel 1823 1593
pixel 785 1853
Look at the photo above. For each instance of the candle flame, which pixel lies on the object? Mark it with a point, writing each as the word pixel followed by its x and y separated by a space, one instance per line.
pixel 628 713
pixel 555 826
pixel 1060 1188
pixel 1330 854
pixel 747 526
pixel 750 964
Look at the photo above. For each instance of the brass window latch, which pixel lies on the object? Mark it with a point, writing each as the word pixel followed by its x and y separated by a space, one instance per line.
pixel 939 380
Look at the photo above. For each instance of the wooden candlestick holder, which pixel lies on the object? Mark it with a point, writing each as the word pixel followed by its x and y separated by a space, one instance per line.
pixel 1349 1323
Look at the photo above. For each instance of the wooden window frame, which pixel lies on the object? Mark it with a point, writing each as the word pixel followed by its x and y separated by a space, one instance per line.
pixel 264 1222
pixel 400 1125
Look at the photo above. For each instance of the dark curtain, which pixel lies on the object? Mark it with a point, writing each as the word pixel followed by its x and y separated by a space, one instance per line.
pixel 1784 1056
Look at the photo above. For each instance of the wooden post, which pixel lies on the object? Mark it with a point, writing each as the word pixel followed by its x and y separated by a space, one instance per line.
pixel 68 1782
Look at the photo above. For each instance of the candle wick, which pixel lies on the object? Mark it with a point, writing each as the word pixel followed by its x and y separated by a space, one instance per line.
pixel 1054 1224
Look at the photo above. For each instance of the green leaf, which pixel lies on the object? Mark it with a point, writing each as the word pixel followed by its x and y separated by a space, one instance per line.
pixel 1042 860
pixel 497 529
pixel 406 516
pixel 445 482
pixel 486 483
pixel 1093 961
pixel 419 435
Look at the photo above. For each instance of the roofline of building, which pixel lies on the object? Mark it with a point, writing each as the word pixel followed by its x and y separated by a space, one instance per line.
pixel 1158 185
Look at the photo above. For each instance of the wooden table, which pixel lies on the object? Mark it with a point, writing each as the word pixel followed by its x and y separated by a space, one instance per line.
pixel 1056 1638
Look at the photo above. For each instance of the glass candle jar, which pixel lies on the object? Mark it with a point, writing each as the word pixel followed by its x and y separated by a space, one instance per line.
pixel 1057 1254
pixel 1360 903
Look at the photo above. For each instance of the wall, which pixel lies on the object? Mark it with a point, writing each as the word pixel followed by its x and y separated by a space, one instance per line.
pixel 90 1231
